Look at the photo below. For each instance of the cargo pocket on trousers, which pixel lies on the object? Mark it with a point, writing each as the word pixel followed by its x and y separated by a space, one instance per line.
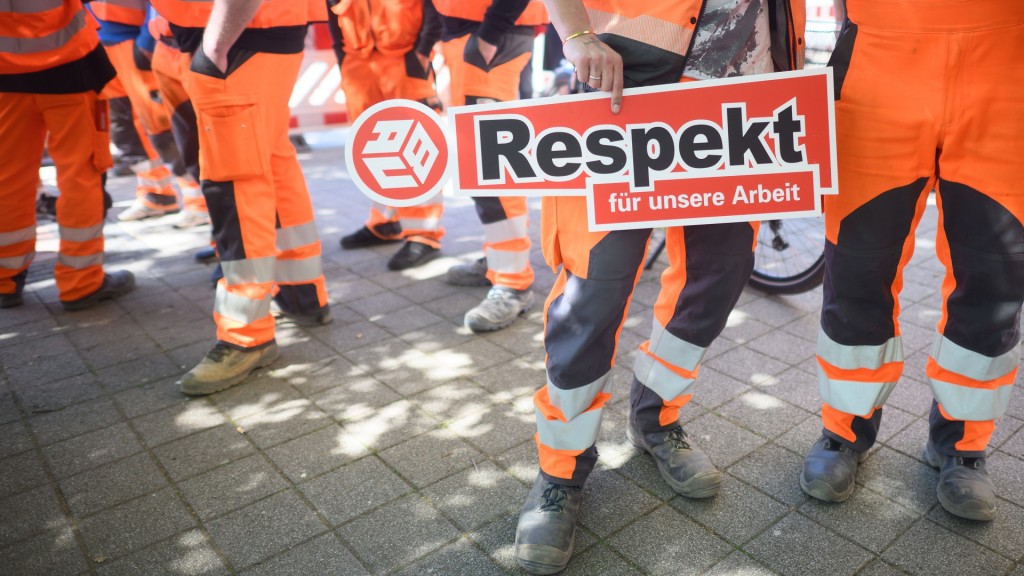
pixel 101 157
pixel 231 143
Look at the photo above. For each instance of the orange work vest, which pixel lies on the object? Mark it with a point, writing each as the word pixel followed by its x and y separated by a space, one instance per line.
pixel 390 26
pixel 42 34
pixel 131 12
pixel 272 13
pixel 534 15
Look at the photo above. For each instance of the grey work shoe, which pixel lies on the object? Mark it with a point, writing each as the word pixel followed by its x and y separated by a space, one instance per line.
pixel 321 317
pixel 501 308
pixel 830 468
pixel 225 366
pixel 547 527
pixel 682 465
pixel 115 284
pixel 965 489
pixel 469 274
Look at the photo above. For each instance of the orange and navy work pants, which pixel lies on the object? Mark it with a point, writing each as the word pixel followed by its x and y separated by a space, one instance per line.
pixel 260 208
pixel 505 219
pixel 170 70
pixel 375 78
pixel 155 181
pixel 584 313
pixel 928 97
pixel 79 143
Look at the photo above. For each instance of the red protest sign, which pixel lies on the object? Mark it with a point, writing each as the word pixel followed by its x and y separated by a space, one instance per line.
pixel 397 153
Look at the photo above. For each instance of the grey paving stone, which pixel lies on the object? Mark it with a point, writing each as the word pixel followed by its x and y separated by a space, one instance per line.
pixel 73 421
pixel 188 553
pixel 425 459
pixel 911 395
pixel 112 483
pixel 879 568
pixel 599 560
pixel 762 413
pixel 106 353
pixel 773 470
pixel 321 555
pixel 52 553
pixel 1012 432
pixel 931 549
pixel 44 370
pixel 454 306
pixel 497 428
pixel 345 339
pixel 425 290
pixel 438 336
pixel 867 518
pixel 392 424
pixel 9 411
pixel 724 442
pixel 741 328
pixel 344 493
pixel 30 513
pixel 806 327
pixel 284 421
pixel 202 451
pixel 260 392
pixel 91 450
pixel 911 439
pixel 259 531
pixel 458 558
pixel 899 478
pixel 737 513
pixel 784 347
pixel 746 365
pixel 356 399
pixel 517 376
pixel 378 304
pixel 454 400
pixel 148 398
pixel 45 395
pixel 1008 475
pixel 774 311
pixel 231 486
pixel 713 388
pixel 801 437
pixel 177 421
pixel 1003 534
pixel 476 496
pixel 312 376
pixel 317 452
pixel 796 386
pixel 894 421
pixel 666 542
pixel 795 546
pixel 138 371
pixel 14 438
pixel 135 524
pixel 521 461
pixel 739 563
pixel 406 320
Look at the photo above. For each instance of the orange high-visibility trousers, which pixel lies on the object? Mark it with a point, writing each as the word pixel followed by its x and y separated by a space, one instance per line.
pixel 375 78
pixel 928 97
pixel 505 219
pixel 170 69
pixel 708 267
pixel 155 182
pixel 79 145
pixel 256 194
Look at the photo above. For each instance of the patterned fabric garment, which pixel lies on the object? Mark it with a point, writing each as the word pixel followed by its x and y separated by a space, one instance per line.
pixel 725 25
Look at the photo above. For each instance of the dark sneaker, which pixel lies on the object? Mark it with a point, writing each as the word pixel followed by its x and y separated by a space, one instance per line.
pixel 469 274
pixel 363 238
pixel 115 284
pixel 412 254
pixel 206 256
pixel 830 469
pixel 322 317
pixel 965 489
pixel 547 527
pixel 14 299
pixel 225 366
pixel 682 465
pixel 501 308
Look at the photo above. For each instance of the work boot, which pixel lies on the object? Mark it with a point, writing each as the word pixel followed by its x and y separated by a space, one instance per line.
pixel 965 489
pixel 115 284
pixel 191 219
pixel 682 465
pixel 412 254
pixel 502 307
pixel 321 317
pixel 469 274
pixel 14 299
pixel 829 470
pixel 140 211
pixel 225 366
pixel 206 256
pixel 217 274
pixel 363 238
pixel 547 527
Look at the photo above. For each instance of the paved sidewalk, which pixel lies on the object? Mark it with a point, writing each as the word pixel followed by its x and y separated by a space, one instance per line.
pixel 394 441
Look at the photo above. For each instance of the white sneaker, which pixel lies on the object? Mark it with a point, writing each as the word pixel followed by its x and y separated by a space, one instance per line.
pixel 140 211
pixel 191 219
pixel 501 308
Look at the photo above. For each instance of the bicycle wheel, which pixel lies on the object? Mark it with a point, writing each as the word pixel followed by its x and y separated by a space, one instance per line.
pixel 790 256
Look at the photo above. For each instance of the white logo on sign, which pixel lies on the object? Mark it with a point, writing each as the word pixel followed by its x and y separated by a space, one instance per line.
pixel 399 155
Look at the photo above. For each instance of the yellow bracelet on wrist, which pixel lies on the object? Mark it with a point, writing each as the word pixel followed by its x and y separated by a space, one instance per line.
pixel 576 35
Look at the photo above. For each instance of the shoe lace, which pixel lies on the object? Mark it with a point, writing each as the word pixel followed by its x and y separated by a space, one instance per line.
pixel 555 496
pixel 218 352
pixel 677 438
pixel 972 463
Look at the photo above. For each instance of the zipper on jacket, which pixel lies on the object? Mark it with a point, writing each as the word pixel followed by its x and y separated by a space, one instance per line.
pixel 693 38
pixel 790 34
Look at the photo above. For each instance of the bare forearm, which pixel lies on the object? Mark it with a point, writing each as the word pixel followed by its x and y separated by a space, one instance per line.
pixel 568 16
pixel 228 20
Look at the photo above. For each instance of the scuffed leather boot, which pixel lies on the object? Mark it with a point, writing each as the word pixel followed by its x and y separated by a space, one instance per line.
pixel 683 465
pixel 965 488
pixel 547 527
pixel 830 468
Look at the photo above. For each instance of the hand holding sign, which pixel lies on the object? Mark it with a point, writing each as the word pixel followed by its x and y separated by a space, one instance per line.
pixel 597 65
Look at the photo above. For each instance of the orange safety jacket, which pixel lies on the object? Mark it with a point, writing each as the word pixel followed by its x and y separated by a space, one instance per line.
pixel 389 26
pixel 43 34
pixel 130 12
pixel 534 15
pixel 272 13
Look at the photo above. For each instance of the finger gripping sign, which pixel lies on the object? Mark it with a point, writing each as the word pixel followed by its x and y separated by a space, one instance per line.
pixel 736 149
